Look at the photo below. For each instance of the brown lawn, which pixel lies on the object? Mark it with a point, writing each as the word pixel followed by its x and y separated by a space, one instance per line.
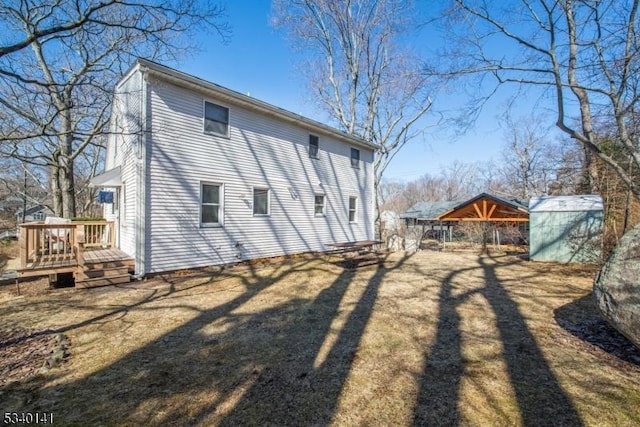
pixel 425 339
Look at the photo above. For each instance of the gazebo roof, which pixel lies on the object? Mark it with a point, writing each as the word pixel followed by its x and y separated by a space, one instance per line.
pixel 487 207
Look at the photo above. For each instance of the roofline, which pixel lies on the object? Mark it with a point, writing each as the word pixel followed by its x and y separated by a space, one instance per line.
pixel 186 80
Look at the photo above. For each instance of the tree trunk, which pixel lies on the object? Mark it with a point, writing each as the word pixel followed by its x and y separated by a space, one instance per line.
pixel 68 190
pixel 589 184
pixel 67 182
pixel 56 193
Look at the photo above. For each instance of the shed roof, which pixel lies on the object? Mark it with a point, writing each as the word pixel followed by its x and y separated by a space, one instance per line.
pixel 429 210
pixel 578 203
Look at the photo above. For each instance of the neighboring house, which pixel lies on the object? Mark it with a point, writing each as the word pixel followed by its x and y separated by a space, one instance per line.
pixel 202 175
pixel 34 213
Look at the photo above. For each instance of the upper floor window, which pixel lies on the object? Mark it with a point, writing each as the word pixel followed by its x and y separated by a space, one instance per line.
pixel 210 204
pixel 261 201
pixel 38 216
pixel 318 205
pixel 313 146
pixel 216 119
pixel 355 158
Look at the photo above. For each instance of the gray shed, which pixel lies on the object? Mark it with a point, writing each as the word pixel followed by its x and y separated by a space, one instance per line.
pixel 566 228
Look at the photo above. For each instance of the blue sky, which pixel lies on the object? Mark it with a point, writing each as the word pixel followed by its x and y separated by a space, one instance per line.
pixel 259 61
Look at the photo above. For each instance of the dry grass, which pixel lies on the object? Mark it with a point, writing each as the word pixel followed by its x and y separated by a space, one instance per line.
pixel 9 252
pixel 431 338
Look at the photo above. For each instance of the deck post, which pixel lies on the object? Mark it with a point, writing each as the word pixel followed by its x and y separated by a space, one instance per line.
pixel 112 234
pixel 80 253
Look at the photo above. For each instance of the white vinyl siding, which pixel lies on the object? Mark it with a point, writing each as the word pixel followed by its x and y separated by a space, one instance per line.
pixel 267 153
pixel 123 149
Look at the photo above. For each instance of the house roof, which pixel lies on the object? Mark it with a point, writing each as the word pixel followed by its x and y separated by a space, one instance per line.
pixel 34 209
pixel 429 211
pixel 578 203
pixel 186 80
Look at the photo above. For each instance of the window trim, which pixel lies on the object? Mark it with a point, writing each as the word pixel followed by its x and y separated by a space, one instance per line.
pixel 355 210
pixel 204 119
pixel 253 201
pixel 220 222
pixel 315 205
pixel 355 161
pixel 315 139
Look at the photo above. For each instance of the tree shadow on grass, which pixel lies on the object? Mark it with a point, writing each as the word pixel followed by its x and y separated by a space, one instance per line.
pixel 232 365
pixel 540 398
pixel 581 319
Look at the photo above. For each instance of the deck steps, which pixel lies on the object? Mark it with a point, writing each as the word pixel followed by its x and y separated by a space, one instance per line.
pixel 103 270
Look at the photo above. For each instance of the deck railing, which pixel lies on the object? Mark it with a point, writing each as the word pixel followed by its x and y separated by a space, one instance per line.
pixel 58 243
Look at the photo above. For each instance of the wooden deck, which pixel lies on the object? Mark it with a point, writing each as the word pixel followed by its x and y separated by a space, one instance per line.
pixel 105 255
pixel 85 249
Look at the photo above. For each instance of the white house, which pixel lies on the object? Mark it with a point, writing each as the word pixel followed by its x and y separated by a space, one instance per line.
pixel 203 175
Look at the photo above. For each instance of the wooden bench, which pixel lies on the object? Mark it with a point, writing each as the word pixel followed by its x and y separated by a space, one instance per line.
pixel 358 253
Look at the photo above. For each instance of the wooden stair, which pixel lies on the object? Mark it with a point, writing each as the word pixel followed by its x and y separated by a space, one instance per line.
pixel 103 273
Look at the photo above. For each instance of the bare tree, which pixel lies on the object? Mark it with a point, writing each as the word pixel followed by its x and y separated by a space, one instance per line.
pixel 365 78
pixel 58 65
pixel 584 52
pixel 528 164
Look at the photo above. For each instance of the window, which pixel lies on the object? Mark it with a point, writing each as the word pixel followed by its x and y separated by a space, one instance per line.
pixel 353 207
pixel 38 216
pixel 313 146
pixel 261 201
pixel 210 205
pixel 355 158
pixel 318 205
pixel 216 119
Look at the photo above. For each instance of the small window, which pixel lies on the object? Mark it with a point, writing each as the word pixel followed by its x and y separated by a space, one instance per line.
pixel 211 205
pixel 355 158
pixel 318 205
pixel 313 146
pixel 38 216
pixel 261 201
pixel 216 119
pixel 353 207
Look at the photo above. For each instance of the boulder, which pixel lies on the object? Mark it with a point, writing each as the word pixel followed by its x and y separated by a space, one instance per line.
pixel 617 287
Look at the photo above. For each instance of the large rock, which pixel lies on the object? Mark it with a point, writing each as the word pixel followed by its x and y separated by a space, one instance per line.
pixel 617 287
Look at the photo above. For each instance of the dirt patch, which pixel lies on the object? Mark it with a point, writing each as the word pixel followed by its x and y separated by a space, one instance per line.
pixel 431 338
pixel 25 353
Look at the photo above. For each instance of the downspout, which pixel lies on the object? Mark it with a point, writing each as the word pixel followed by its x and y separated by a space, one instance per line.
pixel 141 194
